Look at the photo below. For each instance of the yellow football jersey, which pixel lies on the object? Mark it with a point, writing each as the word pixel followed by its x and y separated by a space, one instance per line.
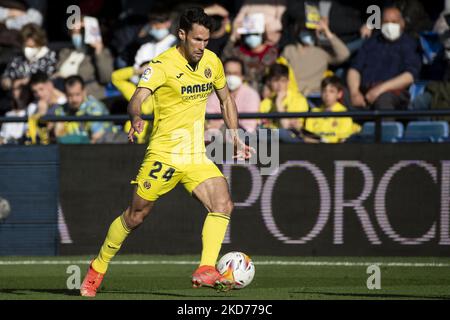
pixel 180 93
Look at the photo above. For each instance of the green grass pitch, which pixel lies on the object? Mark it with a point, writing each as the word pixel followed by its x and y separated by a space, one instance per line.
pixel 277 278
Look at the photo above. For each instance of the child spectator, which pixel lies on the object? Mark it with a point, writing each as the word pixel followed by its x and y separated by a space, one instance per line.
pixel 332 130
pixel 47 100
pixel 13 133
pixel 283 99
pixel 126 80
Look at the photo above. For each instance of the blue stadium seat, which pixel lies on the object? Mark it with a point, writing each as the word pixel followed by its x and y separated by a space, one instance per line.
pixel 415 90
pixel 391 132
pixel 426 131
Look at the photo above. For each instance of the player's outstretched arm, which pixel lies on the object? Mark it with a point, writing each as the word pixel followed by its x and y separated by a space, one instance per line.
pixel 230 117
pixel 134 111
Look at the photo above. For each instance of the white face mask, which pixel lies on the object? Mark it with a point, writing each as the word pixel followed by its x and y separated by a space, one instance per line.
pixel 391 31
pixel 30 53
pixel 234 82
pixel 253 40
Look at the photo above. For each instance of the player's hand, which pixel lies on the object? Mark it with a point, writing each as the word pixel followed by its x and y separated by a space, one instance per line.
pixel 137 126
pixel 242 151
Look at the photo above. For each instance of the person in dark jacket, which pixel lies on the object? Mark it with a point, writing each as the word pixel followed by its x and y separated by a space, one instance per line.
pixel 386 65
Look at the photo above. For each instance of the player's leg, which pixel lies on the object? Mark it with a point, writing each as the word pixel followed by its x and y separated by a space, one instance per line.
pixel 117 233
pixel 214 195
pixel 120 229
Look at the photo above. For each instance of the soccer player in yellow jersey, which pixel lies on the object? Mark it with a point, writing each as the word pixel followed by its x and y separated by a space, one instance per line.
pixel 180 80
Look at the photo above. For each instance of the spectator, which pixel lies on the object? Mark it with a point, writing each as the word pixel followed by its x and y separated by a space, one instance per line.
pixel 126 80
pixel 21 96
pixel 436 94
pixel 283 100
pixel 15 14
pixel 80 104
pixel 442 28
pixel 385 67
pixel 346 19
pixel 221 26
pixel 155 37
pixel 332 130
pixel 246 98
pixel 310 61
pixel 272 10
pixel 36 56
pixel 47 100
pixel 416 17
pixel 93 62
pixel 256 54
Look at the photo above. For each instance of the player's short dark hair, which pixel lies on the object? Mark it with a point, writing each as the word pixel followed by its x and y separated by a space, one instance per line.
pixel 73 80
pixel 39 77
pixel 332 81
pixel 194 15
pixel 277 70
pixel 236 60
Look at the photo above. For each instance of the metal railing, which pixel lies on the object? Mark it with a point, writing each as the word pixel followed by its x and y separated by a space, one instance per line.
pixel 377 116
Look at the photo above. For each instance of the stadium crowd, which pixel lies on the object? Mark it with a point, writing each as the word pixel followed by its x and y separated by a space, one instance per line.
pixel 279 56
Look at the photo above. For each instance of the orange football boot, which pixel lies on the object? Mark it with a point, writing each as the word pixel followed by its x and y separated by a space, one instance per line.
pixel 91 282
pixel 208 276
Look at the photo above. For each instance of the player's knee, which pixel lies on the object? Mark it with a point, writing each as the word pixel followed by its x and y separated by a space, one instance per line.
pixel 135 218
pixel 225 207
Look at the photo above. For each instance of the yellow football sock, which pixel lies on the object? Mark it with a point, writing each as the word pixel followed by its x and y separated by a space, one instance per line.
pixel 212 237
pixel 117 233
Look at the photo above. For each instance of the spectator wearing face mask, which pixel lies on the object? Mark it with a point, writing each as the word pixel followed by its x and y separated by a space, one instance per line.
pixel 93 62
pixel 15 14
pixel 36 57
pixel 255 53
pixel 310 60
pixel 385 67
pixel 272 10
pixel 154 38
pixel 247 99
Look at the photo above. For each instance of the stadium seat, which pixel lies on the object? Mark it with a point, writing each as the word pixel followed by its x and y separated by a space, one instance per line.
pixel 426 131
pixel 392 132
pixel 415 90
pixel 314 99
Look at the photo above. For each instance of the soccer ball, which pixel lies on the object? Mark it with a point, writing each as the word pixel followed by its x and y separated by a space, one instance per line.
pixel 237 266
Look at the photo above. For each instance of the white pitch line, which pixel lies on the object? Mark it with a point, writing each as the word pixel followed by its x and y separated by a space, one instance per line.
pixel 258 263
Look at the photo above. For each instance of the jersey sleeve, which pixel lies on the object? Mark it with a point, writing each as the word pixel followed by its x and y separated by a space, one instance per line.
pixel 153 77
pixel 219 81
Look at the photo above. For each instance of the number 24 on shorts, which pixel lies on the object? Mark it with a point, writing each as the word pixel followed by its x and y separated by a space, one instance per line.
pixel 157 167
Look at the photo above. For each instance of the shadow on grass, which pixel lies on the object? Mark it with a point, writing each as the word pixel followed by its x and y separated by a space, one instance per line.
pixel 375 295
pixel 74 293
pixel 22 292
pixel 168 294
